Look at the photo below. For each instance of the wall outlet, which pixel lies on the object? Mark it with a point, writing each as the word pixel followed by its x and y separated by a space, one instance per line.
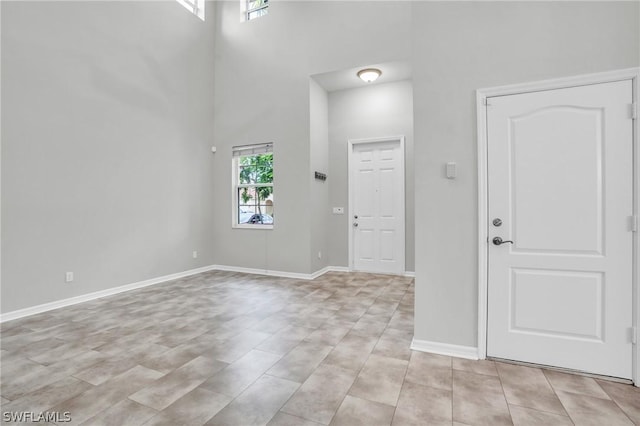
pixel 195 254
pixel 319 255
pixel 338 210
pixel 68 277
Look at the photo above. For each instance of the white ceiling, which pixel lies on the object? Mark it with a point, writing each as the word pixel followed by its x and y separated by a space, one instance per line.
pixel 347 79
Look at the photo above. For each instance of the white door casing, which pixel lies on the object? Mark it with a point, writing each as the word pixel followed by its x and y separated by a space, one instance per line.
pixel 560 176
pixel 376 205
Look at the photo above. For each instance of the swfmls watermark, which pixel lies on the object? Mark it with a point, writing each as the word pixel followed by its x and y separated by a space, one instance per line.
pixel 33 417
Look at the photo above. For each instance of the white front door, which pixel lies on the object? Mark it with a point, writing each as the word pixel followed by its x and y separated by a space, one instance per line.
pixel 377 205
pixel 560 182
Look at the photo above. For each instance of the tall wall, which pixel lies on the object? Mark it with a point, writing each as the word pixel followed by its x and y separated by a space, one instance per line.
pixel 106 128
pixel 109 110
pixel 369 112
pixel 318 189
pixel 262 94
pixel 458 48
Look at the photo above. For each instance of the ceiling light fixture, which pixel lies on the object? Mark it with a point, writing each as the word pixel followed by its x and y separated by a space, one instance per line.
pixel 369 74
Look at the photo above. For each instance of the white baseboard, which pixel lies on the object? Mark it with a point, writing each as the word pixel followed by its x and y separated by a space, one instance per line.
pixel 336 269
pixel 8 316
pixel 458 351
pixel 282 274
pixel 408 274
pixel 256 271
pixel 320 272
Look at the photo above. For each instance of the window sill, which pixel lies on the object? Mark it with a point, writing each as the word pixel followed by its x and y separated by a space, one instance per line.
pixel 245 226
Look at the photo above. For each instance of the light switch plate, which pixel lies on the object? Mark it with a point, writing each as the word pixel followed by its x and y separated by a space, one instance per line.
pixel 452 170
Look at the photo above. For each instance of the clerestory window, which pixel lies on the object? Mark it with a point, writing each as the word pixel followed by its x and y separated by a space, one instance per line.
pixel 194 6
pixel 256 8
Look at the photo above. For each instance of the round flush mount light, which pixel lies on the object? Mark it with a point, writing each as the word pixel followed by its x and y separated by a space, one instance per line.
pixel 369 74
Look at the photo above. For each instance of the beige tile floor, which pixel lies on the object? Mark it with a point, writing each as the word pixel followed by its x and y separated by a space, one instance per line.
pixel 224 348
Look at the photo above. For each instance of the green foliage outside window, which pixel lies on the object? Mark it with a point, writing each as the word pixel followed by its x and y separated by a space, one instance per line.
pixel 256 170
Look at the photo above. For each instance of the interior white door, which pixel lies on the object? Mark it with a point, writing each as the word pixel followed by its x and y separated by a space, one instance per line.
pixel 377 197
pixel 560 179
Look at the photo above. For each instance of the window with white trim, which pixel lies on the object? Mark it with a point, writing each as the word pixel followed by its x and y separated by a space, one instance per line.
pixel 253 186
pixel 256 8
pixel 194 6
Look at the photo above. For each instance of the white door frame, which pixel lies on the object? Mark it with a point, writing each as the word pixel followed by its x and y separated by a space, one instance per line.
pixel 481 100
pixel 351 144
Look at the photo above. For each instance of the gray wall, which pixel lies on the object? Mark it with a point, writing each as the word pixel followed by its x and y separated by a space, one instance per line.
pixel 106 129
pixel 461 47
pixel 319 161
pixel 262 94
pixel 377 111
pixel 109 110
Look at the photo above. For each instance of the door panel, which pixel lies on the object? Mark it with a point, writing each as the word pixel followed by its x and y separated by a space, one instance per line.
pixel 387 189
pixel 377 195
pixel 560 178
pixel 532 311
pixel 571 159
pixel 387 243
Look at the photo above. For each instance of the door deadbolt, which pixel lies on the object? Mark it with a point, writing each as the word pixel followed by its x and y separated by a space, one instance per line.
pixel 497 221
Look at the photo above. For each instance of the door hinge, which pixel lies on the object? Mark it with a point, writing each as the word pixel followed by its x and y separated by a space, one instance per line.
pixel 633 334
pixel 485 102
pixel 633 111
pixel 633 223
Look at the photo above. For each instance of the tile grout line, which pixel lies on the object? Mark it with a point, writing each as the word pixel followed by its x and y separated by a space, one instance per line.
pixel 369 356
pixel 616 403
pixel 406 371
pixel 343 337
pixel 541 411
pixel 504 395
pixel 316 315
pixel 261 375
pixel 199 385
pixel 404 378
pixel 451 371
pixel 301 384
pixel 556 394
